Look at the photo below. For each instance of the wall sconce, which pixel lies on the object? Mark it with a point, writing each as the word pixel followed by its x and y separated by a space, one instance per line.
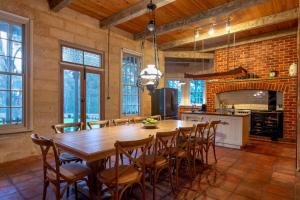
pixel 293 69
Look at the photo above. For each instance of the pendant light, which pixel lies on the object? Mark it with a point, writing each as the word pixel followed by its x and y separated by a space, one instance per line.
pixel 150 76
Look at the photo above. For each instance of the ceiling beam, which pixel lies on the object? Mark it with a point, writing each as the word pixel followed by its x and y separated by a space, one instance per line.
pixel 57 5
pixel 263 37
pixel 253 24
pixel 202 17
pixel 188 54
pixel 131 13
pixel 186 60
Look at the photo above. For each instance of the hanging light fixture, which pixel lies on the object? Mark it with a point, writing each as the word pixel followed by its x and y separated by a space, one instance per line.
pixel 150 76
pixel 211 30
pixel 228 25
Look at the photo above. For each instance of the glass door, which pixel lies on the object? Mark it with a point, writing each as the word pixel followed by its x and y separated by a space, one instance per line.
pixel 93 96
pixel 72 96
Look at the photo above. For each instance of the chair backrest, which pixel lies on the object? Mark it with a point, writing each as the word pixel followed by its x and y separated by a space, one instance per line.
pixel 200 129
pixel 46 146
pixel 184 136
pixel 157 117
pixel 211 130
pixel 164 143
pixel 99 123
pixel 139 119
pixel 60 128
pixel 125 147
pixel 118 122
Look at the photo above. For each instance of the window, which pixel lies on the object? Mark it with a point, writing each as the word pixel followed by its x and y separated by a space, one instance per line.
pixel 176 84
pixel 14 71
pixel 82 81
pixel 197 91
pixel 81 57
pixel 130 91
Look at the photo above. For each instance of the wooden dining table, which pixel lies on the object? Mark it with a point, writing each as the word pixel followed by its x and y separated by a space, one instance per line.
pixel 95 145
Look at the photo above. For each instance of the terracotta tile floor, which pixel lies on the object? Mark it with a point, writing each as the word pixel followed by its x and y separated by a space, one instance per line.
pixel 263 170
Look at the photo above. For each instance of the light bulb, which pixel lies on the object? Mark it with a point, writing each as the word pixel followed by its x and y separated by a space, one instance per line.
pixel 151 25
pixel 197 35
pixel 228 26
pixel 211 30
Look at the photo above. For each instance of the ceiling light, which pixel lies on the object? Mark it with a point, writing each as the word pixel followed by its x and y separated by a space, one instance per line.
pixel 151 25
pixel 211 30
pixel 228 26
pixel 197 34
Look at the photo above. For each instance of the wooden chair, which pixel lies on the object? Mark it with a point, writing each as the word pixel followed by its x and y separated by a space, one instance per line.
pixel 56 174
pixel 59 129
pixel 139 119
pixel 197 142
pixel 100 123
pixel 183 148
pixel 161 157
pixel 121 177
pixel 209 138
pixel 119 122
pixel 157 117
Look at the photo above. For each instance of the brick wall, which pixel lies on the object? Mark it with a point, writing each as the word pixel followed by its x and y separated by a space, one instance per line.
pixel 259 58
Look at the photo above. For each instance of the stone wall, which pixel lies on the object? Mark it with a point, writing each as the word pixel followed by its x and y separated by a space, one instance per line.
pixel 49 28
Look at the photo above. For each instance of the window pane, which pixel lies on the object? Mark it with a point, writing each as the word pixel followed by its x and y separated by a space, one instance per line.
pixel 16 65
pixel 16 83
pixel 92 97
pixel 196 91
pixel 16 99
pixel 71 96
pixel 16 115
pixel 4 99
pixel 16 50
pixel 17 33
pixel 4 82
pixel 92 59
pixel 4 47
pixel 72 55
pixel 4 30
pixel 4 64
pixel 4 116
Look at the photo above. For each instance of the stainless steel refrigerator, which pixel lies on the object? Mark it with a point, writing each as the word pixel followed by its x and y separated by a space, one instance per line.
pixel 164 102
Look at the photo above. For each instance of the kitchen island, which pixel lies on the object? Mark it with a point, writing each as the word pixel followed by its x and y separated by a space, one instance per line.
pixel 233 132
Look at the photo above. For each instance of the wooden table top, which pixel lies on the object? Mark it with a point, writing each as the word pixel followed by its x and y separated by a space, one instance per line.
pixel 96 144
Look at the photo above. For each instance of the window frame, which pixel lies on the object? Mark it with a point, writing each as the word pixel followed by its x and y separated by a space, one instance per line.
pixel 82 69
pixel 27 96
pixel 137 54
pixel 204 92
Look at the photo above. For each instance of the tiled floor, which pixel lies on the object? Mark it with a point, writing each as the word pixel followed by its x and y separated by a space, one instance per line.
pixel 263 170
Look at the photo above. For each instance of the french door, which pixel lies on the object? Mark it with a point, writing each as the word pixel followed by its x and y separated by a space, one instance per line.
pixel 82 94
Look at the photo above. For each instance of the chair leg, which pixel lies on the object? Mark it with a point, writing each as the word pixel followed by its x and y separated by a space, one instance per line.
pixel 76 191
pixel 171 180
pixel 154 184
pixel 57 192
pixel 46 184
pixel 214 148
pixel 177 169
pixel 206 154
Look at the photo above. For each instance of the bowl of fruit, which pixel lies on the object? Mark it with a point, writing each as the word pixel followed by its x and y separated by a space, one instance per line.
pixel 150 123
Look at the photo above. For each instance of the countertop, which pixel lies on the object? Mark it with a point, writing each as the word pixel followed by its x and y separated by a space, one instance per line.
pixel 215 113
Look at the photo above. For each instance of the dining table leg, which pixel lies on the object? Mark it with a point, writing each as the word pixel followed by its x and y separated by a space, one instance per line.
pixel 94 185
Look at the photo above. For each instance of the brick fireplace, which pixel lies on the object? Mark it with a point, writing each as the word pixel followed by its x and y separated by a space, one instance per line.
pixel 260 58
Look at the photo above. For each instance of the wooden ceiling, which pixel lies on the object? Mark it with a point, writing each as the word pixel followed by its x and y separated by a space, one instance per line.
pixel 179 9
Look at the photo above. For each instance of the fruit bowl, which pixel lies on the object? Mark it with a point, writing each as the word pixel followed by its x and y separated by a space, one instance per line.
pixel 150 123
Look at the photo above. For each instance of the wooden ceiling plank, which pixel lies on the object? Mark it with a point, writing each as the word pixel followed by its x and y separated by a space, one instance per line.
pixel 131 13
pixel 57 5
pixel 219 11
pixel 253 24
pixel 188 54
pixel 253 39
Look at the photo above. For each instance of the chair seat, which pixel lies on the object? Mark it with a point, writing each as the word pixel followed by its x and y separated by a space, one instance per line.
pixel 178 152
pixel 71 172
pixel 66 157
pixel 127 174
pixel 160 161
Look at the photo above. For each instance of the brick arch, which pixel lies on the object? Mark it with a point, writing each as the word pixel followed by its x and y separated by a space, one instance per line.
pixel 279 87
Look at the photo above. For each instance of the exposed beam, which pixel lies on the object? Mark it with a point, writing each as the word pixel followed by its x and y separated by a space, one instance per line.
pixel 253 24
pixel 263 37
pixel 57 5
pixel 202 17
pixel 188 54
pixel 131 12
pixel 186 60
